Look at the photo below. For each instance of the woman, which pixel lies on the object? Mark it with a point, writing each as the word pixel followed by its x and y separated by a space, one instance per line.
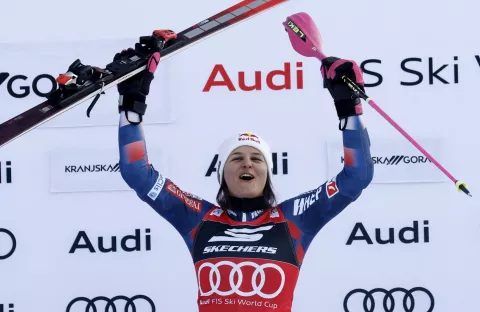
pixel 247 250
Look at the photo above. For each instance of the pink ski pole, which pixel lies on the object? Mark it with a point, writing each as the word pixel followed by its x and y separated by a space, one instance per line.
pixel 307 41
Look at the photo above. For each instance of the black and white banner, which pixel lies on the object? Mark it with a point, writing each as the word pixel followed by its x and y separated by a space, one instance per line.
pixel 396 160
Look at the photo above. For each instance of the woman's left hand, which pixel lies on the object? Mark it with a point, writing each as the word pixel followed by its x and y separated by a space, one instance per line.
pixel 346 102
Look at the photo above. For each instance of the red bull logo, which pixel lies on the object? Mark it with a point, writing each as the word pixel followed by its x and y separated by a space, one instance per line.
pixel 248 136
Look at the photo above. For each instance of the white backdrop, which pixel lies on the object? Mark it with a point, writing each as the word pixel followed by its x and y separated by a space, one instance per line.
pixel 45 208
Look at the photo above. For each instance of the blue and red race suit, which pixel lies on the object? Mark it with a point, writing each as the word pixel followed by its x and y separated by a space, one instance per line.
pixel 247 261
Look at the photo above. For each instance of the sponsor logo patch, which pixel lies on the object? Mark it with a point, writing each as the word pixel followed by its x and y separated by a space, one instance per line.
pixel 190 202
pixel 332 188
pixel 157 187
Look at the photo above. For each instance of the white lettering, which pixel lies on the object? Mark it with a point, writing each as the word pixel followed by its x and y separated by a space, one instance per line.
pixel 207 249
pixel 302 204
pixel 245 302
pixel 256 213
pixel 250 302
pixel 228 248
pixel 157 188
pixel 242 248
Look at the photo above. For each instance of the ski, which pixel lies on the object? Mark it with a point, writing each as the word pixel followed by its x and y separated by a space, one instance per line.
pixel 83 82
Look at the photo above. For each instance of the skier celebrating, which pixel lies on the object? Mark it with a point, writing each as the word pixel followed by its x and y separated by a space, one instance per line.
pixel 247 249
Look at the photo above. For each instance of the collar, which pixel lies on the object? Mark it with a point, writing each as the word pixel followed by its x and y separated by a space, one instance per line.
pixel 247 209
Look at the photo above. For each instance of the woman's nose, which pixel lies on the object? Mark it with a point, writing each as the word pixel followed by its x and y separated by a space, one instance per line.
pixel 247 163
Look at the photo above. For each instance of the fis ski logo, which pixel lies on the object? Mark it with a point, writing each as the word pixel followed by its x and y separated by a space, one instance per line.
pixel 397 160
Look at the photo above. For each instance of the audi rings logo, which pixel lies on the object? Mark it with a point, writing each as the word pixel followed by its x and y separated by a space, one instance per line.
pixel 236 271
pixel 388 302
pixel 114 304
pixel 10 250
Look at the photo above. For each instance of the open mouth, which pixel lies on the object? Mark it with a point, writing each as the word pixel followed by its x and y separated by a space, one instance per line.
pixel 246 177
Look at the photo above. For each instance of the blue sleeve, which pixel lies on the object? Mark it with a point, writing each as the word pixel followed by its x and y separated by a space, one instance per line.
pixel 181 209
pixel 310 211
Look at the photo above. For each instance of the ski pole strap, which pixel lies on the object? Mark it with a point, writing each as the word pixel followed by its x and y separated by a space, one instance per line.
pixel 133 104
pixel 348 107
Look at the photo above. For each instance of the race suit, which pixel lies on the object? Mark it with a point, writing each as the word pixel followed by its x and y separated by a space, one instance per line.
pixel 247 261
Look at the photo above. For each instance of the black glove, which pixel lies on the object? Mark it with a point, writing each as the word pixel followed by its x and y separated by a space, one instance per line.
pixel 346 102
pixel 133 91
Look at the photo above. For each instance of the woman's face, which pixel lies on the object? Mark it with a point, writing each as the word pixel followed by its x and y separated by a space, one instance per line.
pixel 245 172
